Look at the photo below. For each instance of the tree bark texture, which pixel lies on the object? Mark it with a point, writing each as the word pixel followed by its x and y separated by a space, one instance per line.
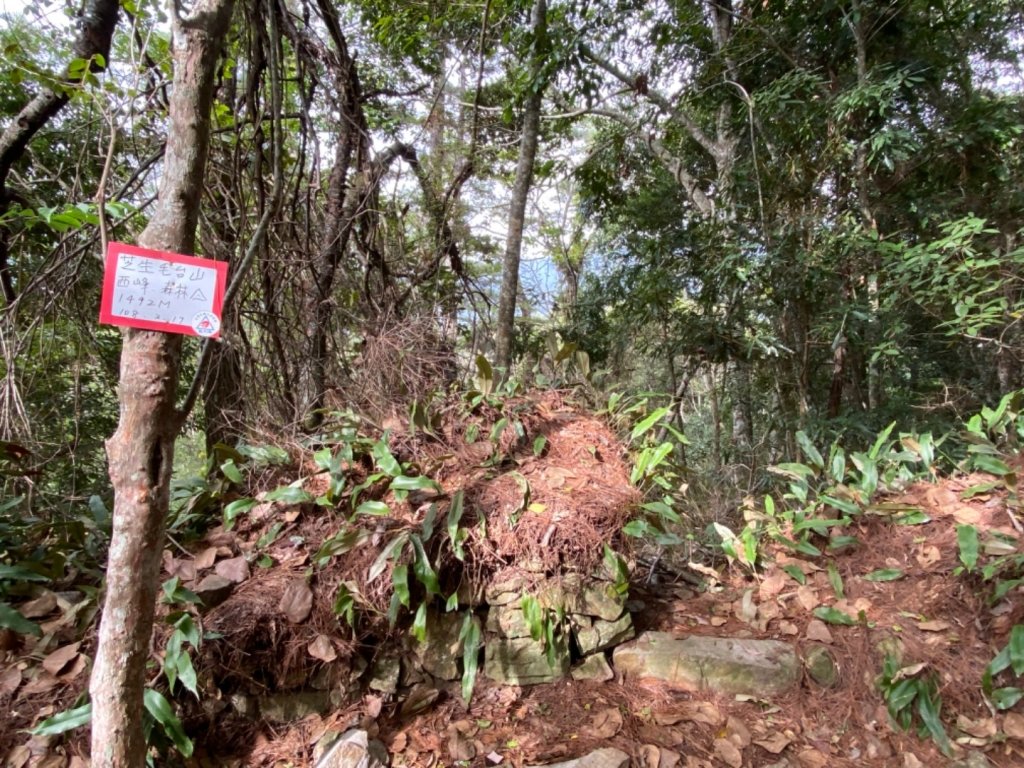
pixel 141 451
pixel 96 28
pixel 505 334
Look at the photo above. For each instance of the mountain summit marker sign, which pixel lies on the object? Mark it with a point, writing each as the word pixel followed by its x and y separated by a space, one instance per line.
pixel 160 291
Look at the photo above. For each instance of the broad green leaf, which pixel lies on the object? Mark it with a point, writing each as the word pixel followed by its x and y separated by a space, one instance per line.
pixel 343 541
pixel 884 574
pixel 21 573
pixel 400 581
pixel 810 452
pixel 420 483
pixel 793 470
pixel 471 637
pixel 967 541
pixel 638 529
pixel 392 550
pixel 14 621
pixel 1016 648
pixel 452 523
pixel 991 465
pixel 419 623
pixel 236 508
pixel 834 616
pixel 452 603
pixel 345 603
pixel 795 573
pixel 187 673
pixel 928 708
pixel 65 721
pixel 643 426
pixel 836 581
pixel 912 518
pixel 161 710
pixel 424 571
pixel 375 508
pixel 231 471
pixel 289 494
pixel 1004 698
pixel 485 376
pixel 385 460
pixel 539 445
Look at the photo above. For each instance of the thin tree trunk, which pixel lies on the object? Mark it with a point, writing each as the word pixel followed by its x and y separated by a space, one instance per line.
pixel 520 191
pixel 96 28
pixel 141 452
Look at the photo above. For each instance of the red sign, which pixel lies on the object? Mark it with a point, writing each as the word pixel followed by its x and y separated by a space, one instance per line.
pixel 160 291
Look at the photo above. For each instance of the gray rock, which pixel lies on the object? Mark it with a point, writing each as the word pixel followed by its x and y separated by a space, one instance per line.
pixel 504 591
pixel 601 634
pixel 609 757
pixel 214 590
pixel 730 666
pixel 821 666
pixel 523 661
pixel 571 595
pixel 353 749
pixel 595 668
pixel 441 649
pixel 507 621
pixel 288 707
pixel 244 705
pixel 974 759
pixel 385 672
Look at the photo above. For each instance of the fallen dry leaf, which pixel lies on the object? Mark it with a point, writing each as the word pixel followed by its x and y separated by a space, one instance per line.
pixel 42 682
pixel 18 757
pixel 606 724
pixel 967 515
pixel 692 711
pixel 234 569
pixel 74 669
pixel 788 628
pixel 297 601
pixel 812 758
pixel 728 753
pixel 399 743
pixel 43 605
pixel 927 556
pixel 737 732
pixel 321 648
pixel 816 630
pixel 775 743
pixel 205 559
pixel 772 585
pixel 669 759
pixel 807 597
pixel 10 679
pixel 1013 725
pixel 936 625
pixel 910 761
pixel 718 621
pixel 60 658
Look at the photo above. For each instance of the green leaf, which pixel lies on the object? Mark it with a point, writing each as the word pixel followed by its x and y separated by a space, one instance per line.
pixel 345 603
pixel 65 721
pixel 385 460
pixel 912 518
pixel 236 508
pixel 967 541
pixel 795 573
pixel 643 426
pixel 452 603
pixel 343 541
pixel 991 465
pixel 834 616
pixel 533 615
pixel 638 529
pixel 424 571
pixel 375 508
pixel 21 573
pixel 928 709
pixel 231 471
pixel 392 550
pixel 485 376
pixel 884 574
pixel 289 494
pixel 11 619
pixel 420 483
pixel 400 581
pixel 539 445
pixel 1016 648
pixel 471 637
pixel 836 581
pixel 1004 698
pixel 419 623
pixel 452 523
pixel 810 452
pixel 160 709
pixel 187 673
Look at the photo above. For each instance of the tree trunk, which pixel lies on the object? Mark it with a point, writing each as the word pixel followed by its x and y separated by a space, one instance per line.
pixel 96 28
pixel 520 190
pixel 141 452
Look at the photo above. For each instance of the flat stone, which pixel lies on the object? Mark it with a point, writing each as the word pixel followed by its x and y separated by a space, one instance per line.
pixel 214 590
pixel 288 707
pixel 609 757
pixel 353 749
pixel 506 590
pixel 727 665
pixel 385 672
pixel 571 595
pixel 523 661
pixel 441 649
pixel 602 634
pixel 821 666
pixel 297 601
pixel 507 621
pixel 595 668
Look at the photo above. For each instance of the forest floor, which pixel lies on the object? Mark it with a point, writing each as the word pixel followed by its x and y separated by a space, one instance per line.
pixel 940 620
